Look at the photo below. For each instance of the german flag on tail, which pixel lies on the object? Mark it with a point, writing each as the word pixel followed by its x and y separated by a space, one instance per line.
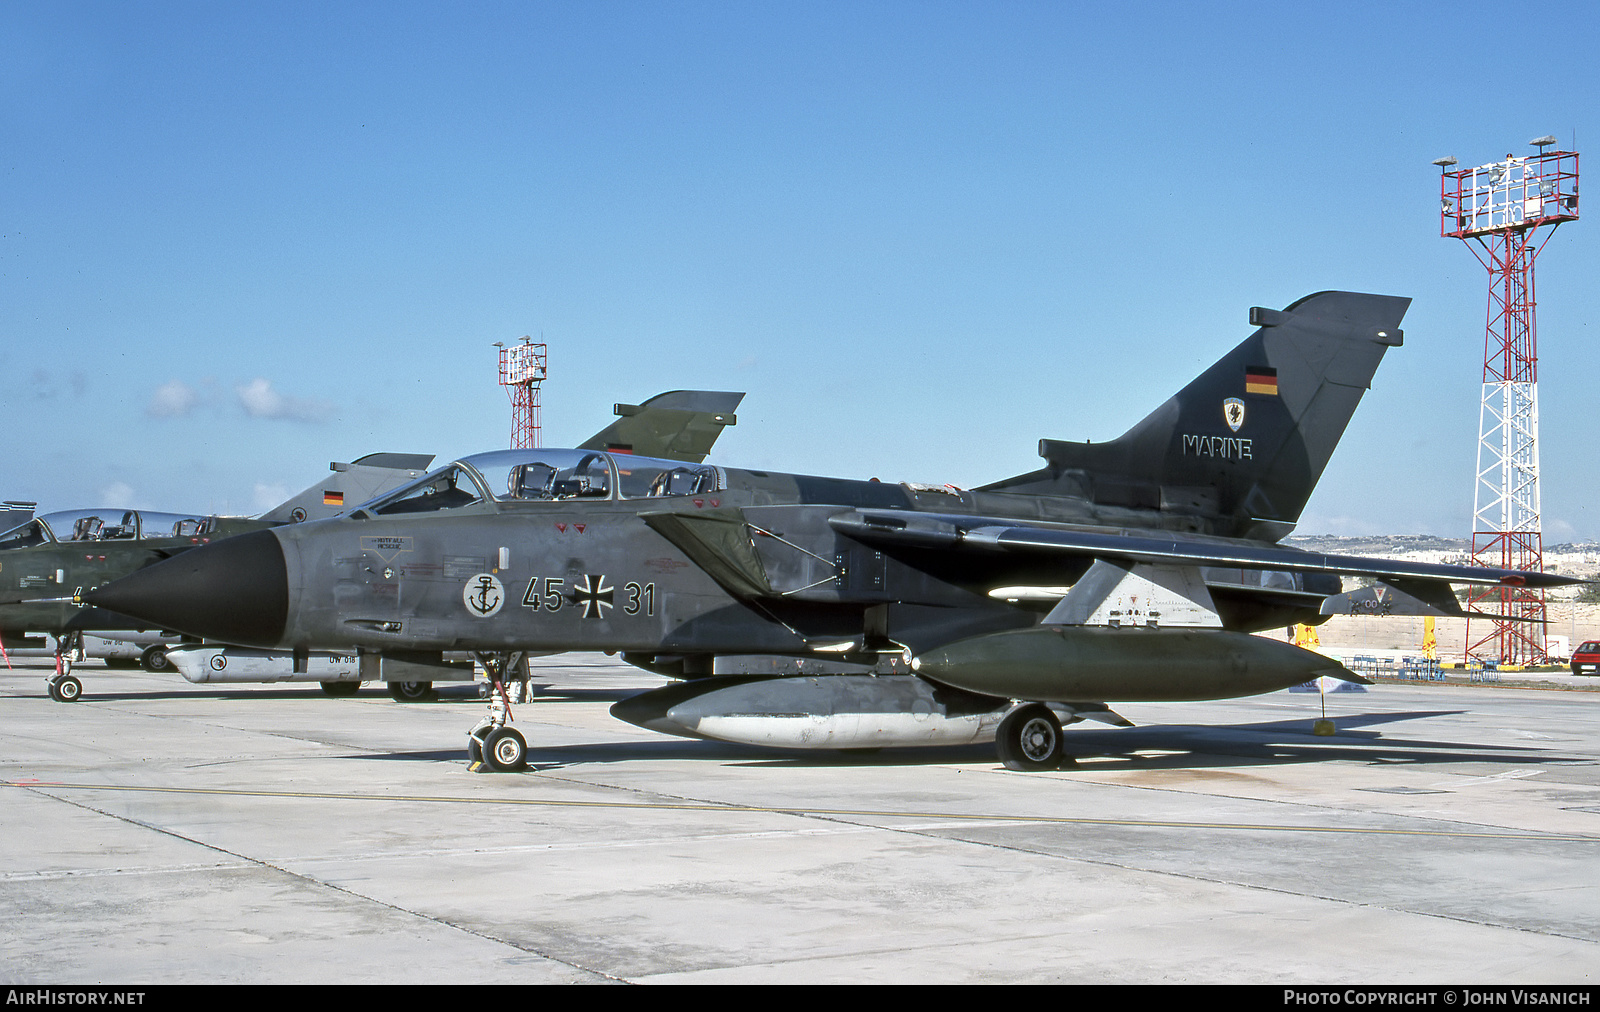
pixel 1261 379
pixel 337 498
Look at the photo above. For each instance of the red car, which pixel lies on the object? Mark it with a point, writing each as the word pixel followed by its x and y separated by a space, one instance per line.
pixel 1586 659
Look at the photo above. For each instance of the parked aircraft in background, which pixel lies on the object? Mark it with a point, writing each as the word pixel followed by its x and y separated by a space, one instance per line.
pixel 71 551
pixel 47 562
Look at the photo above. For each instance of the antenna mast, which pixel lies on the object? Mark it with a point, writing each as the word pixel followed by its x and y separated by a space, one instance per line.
pixel 522 370
pixel 1499 210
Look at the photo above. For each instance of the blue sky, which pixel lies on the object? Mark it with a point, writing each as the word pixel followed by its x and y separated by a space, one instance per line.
pixel 238 241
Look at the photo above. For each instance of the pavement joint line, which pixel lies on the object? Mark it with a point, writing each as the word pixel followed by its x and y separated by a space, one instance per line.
pixel 804 810
pixel 312 880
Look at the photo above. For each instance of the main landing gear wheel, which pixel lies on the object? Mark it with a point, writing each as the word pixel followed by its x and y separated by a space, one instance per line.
pixel 505 750
pixel 154 660
pixel 65 689
pixel 411 692
pixel 1029 739
pixel 341 688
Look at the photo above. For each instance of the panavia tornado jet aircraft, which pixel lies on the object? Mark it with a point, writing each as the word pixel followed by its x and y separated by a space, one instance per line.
pixel 1130 570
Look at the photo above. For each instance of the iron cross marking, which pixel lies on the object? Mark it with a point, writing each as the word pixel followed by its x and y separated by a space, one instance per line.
pixel 594 594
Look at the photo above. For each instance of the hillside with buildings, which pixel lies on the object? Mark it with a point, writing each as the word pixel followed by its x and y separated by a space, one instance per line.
pixel 1573 612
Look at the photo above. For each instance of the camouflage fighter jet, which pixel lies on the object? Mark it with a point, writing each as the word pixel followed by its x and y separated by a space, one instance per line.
pixel 1130 570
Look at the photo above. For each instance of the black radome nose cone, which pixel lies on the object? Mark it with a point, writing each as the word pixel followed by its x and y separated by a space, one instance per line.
pixel 233 591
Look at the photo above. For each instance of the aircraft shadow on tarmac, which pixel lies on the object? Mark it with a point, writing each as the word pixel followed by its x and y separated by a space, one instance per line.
pixel 1179 747
pixel 1097 749
pixel 233 692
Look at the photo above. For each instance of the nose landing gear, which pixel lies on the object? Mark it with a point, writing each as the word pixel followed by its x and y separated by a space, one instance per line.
pixel 493 744
pixel 64 686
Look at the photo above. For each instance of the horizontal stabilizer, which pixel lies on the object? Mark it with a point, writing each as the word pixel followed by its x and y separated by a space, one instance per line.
pixel 1436 599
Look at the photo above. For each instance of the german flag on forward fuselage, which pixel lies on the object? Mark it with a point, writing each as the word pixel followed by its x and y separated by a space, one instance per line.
pixel 1261 379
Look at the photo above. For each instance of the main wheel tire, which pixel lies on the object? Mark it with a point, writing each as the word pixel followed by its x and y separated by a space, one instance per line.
pixel 505 750
pixel 341 689
pixel 52 685
pixel 1029 739
pixel 155 660
pixel 411 692
pixel 68 689
pixel 474 749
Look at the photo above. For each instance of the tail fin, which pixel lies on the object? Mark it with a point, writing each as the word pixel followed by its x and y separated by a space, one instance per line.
pixel 14 513
pixel 677 425
pixel 350 485
pixel 1246 441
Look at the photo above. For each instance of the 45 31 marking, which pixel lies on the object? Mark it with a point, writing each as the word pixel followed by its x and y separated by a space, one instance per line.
pixel 549 593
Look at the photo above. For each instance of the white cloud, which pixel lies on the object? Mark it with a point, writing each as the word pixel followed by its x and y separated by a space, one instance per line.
pixel 267 496
pixel 173 399
pixel 117 493
pixel 121 495
pixel 259 400
pixel 1558 531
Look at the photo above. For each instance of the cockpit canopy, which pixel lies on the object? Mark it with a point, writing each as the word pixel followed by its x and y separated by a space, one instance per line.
pixel 103 525
pixel 539 475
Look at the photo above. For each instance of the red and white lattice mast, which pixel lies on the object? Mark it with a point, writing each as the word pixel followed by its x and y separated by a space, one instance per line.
pixel 1500 211
pixel 522 370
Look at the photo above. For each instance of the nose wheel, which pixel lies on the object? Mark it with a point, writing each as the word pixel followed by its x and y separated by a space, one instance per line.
pixel 504 749
pixel 64 688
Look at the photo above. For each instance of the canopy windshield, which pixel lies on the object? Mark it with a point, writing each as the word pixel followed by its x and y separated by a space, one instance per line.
pixel 545 475
pixel 102 525
pixel 522 475
pixel 449 487
pixel 539 474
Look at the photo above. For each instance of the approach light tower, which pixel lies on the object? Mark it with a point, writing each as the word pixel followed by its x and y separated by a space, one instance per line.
pixel 1499 210
pixel 522 370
